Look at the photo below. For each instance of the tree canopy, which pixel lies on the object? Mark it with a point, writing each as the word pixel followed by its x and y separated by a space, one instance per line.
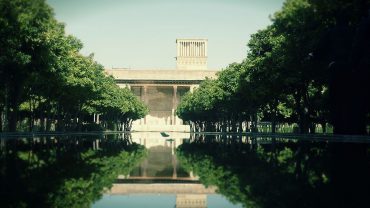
pixel 300 69
pixel 45 80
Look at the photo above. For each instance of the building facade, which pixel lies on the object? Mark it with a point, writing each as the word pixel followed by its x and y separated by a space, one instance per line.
pixel 162 90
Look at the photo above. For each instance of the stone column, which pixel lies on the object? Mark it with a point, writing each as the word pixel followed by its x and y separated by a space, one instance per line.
pixel 142 99
pixel 190 52
pixel 195 48
pixel 178 48
pixel 205 49
pixel 192 49
pixel 174 105
pixel 187 49
pixel 201 49
pixel 182 49
pixel 145 101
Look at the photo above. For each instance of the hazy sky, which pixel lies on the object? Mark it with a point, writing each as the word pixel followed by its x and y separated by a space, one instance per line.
pixel 142 33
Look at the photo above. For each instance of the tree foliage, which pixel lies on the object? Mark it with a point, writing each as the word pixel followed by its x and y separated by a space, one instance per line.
pixel 45 80
pixel 308 67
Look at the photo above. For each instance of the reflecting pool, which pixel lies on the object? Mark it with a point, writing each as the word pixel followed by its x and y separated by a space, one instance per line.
pixel 183 170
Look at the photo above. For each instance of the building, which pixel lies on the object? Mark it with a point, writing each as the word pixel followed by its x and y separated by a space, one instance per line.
pixel 162 90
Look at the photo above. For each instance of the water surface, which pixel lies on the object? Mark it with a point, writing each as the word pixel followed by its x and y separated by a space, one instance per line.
pixel 148 170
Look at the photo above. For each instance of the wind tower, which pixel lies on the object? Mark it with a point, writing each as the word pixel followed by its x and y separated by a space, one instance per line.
pixel 191 54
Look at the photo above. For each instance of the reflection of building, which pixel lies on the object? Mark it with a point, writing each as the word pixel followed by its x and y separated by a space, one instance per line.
pixel 161 163
pixel 161 172
pixel 162 90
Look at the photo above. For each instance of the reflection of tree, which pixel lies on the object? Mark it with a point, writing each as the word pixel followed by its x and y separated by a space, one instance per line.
pixel 272 174
pixel 63 172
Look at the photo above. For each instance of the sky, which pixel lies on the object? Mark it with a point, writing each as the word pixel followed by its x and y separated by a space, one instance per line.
pixel 141 34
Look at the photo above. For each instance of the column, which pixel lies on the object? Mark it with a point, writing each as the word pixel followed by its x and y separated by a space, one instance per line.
pixel 205 49
pixel 192 49
pixel 145 101
pixel 178 48
pixel 201 49
pixel 203 53
pixel 142 99
pixel 187 48
pixel 174 105
pixel 195 48
pixel 182 48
